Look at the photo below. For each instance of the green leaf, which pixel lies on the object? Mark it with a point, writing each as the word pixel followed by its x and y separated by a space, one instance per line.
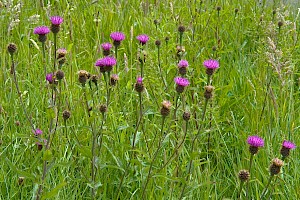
pixel 18 171
pixel 47 155
pixel 55 191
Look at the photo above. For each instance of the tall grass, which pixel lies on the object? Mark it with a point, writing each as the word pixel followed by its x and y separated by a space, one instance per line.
pixel 256 93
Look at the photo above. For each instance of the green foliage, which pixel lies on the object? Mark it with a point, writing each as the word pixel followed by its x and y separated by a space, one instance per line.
pixel 256 93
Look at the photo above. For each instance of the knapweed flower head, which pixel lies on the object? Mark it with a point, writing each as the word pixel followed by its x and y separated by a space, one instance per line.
pixel 286 147
pixel 143 38
pixel 83 76
pixel 244 175
pixel 12 48
pixel 181 83
pixel 37 132
pixel 56 22
pixel 276 166
pixel 61 55
pixel 42 31
pixel 106 63
pixel 114 78
pixel 166 106
pixel 255 142
pixel 50 78
pixel 182 66
pixel 139 86
pixel 211 65
pixel 106 48
pixel 208 91
pixel 117 38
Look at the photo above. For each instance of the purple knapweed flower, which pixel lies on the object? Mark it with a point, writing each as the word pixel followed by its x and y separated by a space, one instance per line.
pixel 139 86
pixel 183 64
pixel 37 132
pixel 41 30
pixel 181 83
pixel 56 20
pixel 286 147
pixel 211 65
pixel 255 142
pixel 49 78
pixel 106 48
pixel 106 63
pixel 288 144
pixel 117 37
pixel 143 38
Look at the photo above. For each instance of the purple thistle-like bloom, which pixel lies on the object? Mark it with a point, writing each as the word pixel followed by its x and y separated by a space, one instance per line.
pixel 255 141
pixel 56 20
pixel 106 63
pixel 106 46
pixel 37 132
pixel 143 38
pixel 183 64
pixel 49 77
pixel 211 64
pixel 41 30
pixel 139 80
pixel 117 36
pixel 288 145
pixel 181 81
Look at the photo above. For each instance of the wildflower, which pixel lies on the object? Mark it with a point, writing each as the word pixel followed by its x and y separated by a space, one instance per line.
pixel 56 22
pixel 114 79
pixel 180 51
pixel 103 108
pixel 50 78
pixel 286 147
pixel 181 83
pixel 218 8
pixel 139 86
pixel 21 180
pixel 244 175
pixel 280 24
pixel 186 116
pixel 12 48
pixel 275 166
pixel 42 31
pixel 157 43
pixel 66 114
pixel 143 38
pixel 165 110
pixel 106 63
pixel 255 142
pixel 208 91
pixel 182 65
pixel 117 38
pixel 59 75
pixel 106 48
pixel 83 76
pixel 181 29
pixel 211 65
pixel 37 132
pixel 94 79
pixel 61 55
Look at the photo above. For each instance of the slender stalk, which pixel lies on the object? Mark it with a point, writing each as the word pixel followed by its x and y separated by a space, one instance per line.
pixel 265 190
pixel 240 190
pixel 13 70
pixel 248 184
pixel 162 136
pixel 116 55
pixel 44 58
pixel 159 67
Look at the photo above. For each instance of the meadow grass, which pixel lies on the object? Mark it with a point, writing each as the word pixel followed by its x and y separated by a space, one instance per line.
pixel 132 151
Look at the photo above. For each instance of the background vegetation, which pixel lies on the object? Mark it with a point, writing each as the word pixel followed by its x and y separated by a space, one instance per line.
pixel 256 93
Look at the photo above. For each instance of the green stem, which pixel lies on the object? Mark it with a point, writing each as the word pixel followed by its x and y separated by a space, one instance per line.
pixel 240 190
pixel 248 184
pixel 265 190
pixel 44 58
pixel 162 136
